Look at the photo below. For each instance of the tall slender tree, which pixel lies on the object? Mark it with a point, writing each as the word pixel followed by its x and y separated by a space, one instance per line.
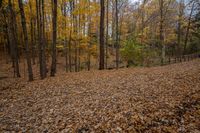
pixel 75 27
pixel 65 40
pixel 12 31
pixel 180 17
pixel 117 34
pixel 107 30
pixel 89 43
pixel 70 35
pixel 41 42
pixel 161 6
pixel 32 33
pixel 188 27
pixel 23 21
pixel 54 21
pixel 44 42
pixel 102 16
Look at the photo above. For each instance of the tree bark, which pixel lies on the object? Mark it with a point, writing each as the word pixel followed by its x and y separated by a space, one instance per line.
pixel 70 36
pixel 89 43
pixel 188 29
pixel 117 35
pixel 113 27
pixel 179 28
pixel 41 44
pixel 107 20
pixel 23 21
pixel 65 41
pixel 32 35
pixel 54 21
pixel 43 39
pixel 101 62
pixel 12 31
pixel 75 26
pixel 161 32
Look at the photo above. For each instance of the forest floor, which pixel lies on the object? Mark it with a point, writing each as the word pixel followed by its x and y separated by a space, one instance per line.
pixel 157 99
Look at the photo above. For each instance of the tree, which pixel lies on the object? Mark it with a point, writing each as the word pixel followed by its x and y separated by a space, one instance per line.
pixel 180 17
pixel 65 40
pixel 54 21
pixel 188 27
pixel 23 21
pixel 41 37
pixel 89 36
pixel 32 33
pixel 161 4
pixel 102 15
pixel 107 30
pixel 12 31
pixel 117 34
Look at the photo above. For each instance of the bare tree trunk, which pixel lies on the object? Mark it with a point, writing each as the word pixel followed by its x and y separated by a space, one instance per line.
pixel 188 29
pixel 39 36
pixel 79 49
pixel 65 41
pixel 107 11
pixel 70 36
pixel 161 32
pixel 179 28
pixel 142 25
pixel 7 44
pixel 12 30
pixel 117 35
pixel 89 44
pixel 75 25
pixel 101 63
pixel 23 21
pixel 113 27
pixel 32 35
pixel 41 44
pixel 35 38
pixel 54 20
pixel 43 40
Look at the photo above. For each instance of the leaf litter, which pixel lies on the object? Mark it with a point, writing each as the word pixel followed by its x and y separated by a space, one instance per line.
pixel 157 99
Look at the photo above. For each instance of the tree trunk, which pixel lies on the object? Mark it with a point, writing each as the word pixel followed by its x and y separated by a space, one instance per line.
pixel 107 11
pixel 41 44
pixel 79 49
pixel 142 23
pixel 113 27
pixel 23 21
pixel 180 15
pixel 188 29
pixel 101 62
pixel 12 31
pixel 70 36
pixel 65 41
pixel 54 21
pixel 117 35
pixel 32 35
pixel 43 40
pixel 89 43
pixel 75 26
pixel 161 32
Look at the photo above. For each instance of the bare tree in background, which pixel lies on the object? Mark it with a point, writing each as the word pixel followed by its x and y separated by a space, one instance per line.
pixel 12 32
pixel 117 34
pixel 54 21
pixel 101 62
pixel 23 21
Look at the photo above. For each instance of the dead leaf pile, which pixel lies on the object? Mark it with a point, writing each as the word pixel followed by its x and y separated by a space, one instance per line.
pixel 157 99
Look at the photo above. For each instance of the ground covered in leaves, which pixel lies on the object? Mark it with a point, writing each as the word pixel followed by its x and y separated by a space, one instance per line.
pixel 157 99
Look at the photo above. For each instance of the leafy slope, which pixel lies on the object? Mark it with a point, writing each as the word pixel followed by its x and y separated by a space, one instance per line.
pixel 158 99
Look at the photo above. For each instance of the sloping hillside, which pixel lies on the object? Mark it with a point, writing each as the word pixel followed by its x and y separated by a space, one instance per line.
pixel 158 99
